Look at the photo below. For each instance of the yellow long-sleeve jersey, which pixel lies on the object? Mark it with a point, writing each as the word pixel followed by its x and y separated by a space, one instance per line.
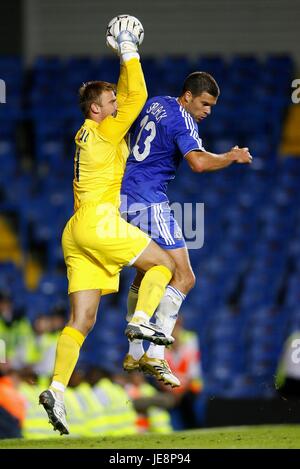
pixel 101 150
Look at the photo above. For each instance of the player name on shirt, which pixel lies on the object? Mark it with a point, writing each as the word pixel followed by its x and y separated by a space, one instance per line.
pixel 157 110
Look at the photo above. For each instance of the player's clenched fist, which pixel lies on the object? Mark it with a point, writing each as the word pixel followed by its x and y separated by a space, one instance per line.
pixel 240 155
pixel 124 34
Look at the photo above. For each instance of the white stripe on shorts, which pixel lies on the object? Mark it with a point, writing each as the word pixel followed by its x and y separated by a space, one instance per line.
pixel 162 234
pixel 163 226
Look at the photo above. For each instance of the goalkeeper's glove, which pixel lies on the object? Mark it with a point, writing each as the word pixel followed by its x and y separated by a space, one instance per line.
pixel 127 43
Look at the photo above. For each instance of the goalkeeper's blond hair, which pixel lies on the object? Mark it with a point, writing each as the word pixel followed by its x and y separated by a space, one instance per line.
pixel 91 92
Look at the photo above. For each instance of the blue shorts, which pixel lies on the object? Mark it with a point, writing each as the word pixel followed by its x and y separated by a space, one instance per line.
pixel 159 223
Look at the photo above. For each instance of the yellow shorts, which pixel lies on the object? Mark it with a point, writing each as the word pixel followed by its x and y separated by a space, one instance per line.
pixel 97 243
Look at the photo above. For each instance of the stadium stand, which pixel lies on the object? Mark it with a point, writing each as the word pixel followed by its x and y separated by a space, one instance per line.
pixel 246 300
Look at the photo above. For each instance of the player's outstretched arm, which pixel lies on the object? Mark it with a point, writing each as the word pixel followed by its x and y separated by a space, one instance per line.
pixel 200 161
pixel 122 47
pixel 131 83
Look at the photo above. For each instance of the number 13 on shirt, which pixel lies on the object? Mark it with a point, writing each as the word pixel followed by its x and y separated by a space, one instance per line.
pixel 149 126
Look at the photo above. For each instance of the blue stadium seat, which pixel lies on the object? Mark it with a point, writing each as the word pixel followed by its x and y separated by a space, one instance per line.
pixel 246 299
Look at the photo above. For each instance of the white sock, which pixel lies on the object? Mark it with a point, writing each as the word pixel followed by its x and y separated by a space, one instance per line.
pixel 129 55
pixel 136 349
pixel 58 388
pixel 139 317
pixel 165 317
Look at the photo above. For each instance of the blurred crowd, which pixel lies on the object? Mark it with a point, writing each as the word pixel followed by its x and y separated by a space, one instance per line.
pixel 100 401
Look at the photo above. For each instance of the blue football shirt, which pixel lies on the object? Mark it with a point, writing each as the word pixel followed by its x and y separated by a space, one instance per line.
pixel 161 136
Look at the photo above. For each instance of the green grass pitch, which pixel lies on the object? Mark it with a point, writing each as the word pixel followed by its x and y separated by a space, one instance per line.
pixel 264 436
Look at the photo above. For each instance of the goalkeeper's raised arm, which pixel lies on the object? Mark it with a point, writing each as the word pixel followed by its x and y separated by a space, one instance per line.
pixel 124 34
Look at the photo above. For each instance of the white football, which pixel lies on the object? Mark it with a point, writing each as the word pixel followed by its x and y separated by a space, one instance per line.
pixel 123 23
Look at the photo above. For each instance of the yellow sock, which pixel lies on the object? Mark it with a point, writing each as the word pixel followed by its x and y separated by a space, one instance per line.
pixel 152 290
pixel 67 353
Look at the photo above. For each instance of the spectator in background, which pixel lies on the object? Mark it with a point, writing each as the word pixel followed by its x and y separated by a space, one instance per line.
pixel 12 404
pixel 44 345
pixel 47 329
pixel 185 361
pixel 6 309
pixel 16 331
pixel 151 405
pixel 6 320
pixel 58 318
pixel 116 410
pixel 30 347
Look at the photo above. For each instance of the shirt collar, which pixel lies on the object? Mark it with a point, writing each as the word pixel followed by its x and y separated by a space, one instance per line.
pixel 90 123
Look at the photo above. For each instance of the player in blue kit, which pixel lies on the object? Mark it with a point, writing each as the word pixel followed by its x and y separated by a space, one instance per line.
pixel 165 133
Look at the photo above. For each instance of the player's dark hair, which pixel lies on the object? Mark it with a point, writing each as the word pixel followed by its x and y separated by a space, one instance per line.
pixel 90 92
pixel 201 82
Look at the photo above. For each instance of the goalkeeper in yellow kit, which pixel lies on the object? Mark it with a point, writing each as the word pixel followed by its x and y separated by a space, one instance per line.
pixel 97 242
